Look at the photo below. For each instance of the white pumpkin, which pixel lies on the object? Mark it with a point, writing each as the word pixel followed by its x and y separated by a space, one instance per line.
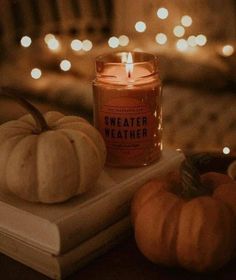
pixel 62 159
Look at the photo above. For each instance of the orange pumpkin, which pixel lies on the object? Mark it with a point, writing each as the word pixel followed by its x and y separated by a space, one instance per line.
pixel 186 219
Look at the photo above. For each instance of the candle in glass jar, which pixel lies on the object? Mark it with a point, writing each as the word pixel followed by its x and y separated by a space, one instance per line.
pixel 127 108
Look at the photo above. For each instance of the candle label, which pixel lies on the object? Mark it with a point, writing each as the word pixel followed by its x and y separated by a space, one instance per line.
pixel 127 126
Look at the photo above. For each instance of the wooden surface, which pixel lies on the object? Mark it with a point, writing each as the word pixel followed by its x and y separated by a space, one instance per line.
pixel 125 261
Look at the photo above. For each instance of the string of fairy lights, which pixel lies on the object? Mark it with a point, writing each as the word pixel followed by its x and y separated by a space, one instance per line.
pixel 182 43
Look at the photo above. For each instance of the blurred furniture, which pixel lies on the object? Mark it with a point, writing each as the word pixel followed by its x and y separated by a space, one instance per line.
pixel 36 18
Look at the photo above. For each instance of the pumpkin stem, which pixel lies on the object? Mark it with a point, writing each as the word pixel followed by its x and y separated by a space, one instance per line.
pixel 190 177
pixel 36 114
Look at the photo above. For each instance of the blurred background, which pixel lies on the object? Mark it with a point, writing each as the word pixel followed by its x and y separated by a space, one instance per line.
pixel 48 50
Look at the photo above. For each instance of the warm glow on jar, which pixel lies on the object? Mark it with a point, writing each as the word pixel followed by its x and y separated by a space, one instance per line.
pixel 127 108
pixel 138 50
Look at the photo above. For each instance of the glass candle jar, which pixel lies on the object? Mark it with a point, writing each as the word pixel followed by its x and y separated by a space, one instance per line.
pixel 127 107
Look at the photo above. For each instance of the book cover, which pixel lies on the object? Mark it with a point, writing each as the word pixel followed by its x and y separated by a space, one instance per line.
pixel 58 267
pixel 58 228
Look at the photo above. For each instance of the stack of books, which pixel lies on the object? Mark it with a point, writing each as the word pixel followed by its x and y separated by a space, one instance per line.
pixel 58 239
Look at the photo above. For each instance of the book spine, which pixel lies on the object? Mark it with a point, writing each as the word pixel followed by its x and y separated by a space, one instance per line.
pixel 58 267
pixel 94 247
pixel 91 220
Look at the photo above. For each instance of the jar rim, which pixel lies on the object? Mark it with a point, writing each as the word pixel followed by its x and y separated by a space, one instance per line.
pixel 112 68
pixel 115 58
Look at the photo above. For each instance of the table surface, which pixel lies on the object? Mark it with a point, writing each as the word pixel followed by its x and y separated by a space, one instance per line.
pixel 124 261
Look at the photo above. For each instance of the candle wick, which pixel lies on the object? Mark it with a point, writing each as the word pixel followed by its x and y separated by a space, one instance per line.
pixel 129 74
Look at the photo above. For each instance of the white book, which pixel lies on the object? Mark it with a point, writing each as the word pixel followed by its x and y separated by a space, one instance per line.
pixel 58 267
pixel 60 227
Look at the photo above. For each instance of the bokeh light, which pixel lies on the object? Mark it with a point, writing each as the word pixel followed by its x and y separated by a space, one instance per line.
pixel 186 21
pixel 179 31
pixel 201 40
pixel 161 38
pixel 36 73
pixel 162 13
pixel 87 45
pixel 53 44
pixel 182 45
pixel 123 40
pixel 227 50
pixel 226 150
pixel 113 42
pixel 48 37
pixel 25 41
pixel 140 26
pixel 192 41
pixel 65 65
pixel 76 45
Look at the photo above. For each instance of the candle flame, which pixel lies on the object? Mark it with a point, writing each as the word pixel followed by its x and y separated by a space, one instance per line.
pixel 129 66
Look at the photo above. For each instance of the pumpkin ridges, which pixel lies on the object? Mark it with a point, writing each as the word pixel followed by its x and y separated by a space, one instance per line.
pixel 85 181
pixel 21 164
pixel 173 215
pixel 229 232
pixel 52 117
pixel 74 125
pixel 55 191
pixel 14 124
pixel 70 119
pixel 57 188
pixel 5 149
pixel 27 120
pixel 6 134
pixel 208 248
pixel 205 239
pixel 92 137
pixel 147 191
pixel 76 158
pixel 86 129
pixel 156 245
